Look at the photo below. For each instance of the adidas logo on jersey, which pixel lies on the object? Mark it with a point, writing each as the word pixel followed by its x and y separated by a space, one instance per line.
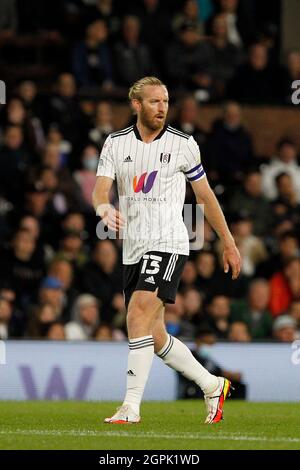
pixel 128 159
pixel 150 280
pixel 132 374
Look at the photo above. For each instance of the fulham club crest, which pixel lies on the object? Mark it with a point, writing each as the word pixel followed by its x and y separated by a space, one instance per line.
pixel 165 158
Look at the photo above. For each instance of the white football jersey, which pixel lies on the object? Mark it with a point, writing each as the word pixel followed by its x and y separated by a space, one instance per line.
pixel 151 179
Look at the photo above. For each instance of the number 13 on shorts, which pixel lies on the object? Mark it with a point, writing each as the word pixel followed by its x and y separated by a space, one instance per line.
pixel 151 264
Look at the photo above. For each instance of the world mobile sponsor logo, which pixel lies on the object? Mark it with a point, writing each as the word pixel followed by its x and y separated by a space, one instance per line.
pixel 143 184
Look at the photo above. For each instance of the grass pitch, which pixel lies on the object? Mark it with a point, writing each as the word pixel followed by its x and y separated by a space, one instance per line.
pixel 165 426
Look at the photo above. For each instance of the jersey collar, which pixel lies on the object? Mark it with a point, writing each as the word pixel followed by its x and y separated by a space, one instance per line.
pixel 138 136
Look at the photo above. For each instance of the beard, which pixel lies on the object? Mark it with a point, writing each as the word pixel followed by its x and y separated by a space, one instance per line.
pixel 150 122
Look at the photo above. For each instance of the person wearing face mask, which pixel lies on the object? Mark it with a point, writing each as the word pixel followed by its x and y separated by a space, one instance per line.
pixel 204 342
pixel 86 177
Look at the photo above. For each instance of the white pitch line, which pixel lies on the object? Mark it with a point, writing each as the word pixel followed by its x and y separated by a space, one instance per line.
pixel 199 437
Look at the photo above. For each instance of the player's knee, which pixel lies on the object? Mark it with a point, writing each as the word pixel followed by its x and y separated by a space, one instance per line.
pixel 143 303
pixel 135 313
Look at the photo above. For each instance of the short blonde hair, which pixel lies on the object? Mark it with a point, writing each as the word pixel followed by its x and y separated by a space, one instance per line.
pixel 135 92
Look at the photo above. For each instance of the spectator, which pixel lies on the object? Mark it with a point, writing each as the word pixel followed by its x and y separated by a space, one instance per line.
pixel 104 333
pixel 154 16
pixel 239 24
pixel 284 162
pixel 286 203
pixel 41 317
pixel 31 224
pixel 37 202
pixel 251 247
pixel 284 329
pixel 192 303
pixel 103 124
pixel 211 279
pixel 230 145
pixel 104 10
pixel 285 287
pixel 189 276
pixel 75 221
pixel 189 14
pixel 239 333
pixel 222 56
pixel 64 109
pixel 17 321
pixel 206 266
pixel 23 267
pixel 186 67
pixel 91 60
pixel 17 115
pixel 251 199
pixel 85 318
pixel 254 82
pixel 205 340
pixel 56 137
pixel 14 160
pixel 132 57
pixel 55 184
pixel 28 92
pixel 66 186
pixel 56 332
pixel 218 315
pixel 86 177
pixel 176 325
pixel 254 311
pixel 100 277
pixel 72 248
pixel 187 120
pixel 63 271
pixel 51 292
pixel 288 247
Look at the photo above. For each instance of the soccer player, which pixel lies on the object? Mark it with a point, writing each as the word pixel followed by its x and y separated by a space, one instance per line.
pixel 151 162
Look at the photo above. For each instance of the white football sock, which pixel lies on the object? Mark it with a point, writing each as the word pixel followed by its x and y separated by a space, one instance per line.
pixel 178 356
pixel 139 364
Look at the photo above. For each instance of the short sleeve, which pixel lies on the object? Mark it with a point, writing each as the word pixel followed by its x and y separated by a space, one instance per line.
pixel 192 166
pixel 106 165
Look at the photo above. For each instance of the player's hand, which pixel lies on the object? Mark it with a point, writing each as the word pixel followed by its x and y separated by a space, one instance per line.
pixel 111 217
pixel 232 259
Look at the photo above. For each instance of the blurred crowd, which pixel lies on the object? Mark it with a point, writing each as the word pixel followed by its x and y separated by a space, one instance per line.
pixel 219 49
pixel 57 279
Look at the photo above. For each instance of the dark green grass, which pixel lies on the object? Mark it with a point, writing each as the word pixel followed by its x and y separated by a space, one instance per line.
pixel 169 425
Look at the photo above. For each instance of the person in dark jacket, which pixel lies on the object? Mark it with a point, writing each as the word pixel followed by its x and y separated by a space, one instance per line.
pixel 256 82
pixel 100 277
pixel 132 57
pixel 230 145
pixel 91 60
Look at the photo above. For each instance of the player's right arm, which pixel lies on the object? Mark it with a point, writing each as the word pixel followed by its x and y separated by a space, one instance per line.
pixel 110 216
pixel 106 173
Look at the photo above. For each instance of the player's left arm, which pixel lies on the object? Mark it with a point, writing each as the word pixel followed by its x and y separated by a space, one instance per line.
pixel 214 214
